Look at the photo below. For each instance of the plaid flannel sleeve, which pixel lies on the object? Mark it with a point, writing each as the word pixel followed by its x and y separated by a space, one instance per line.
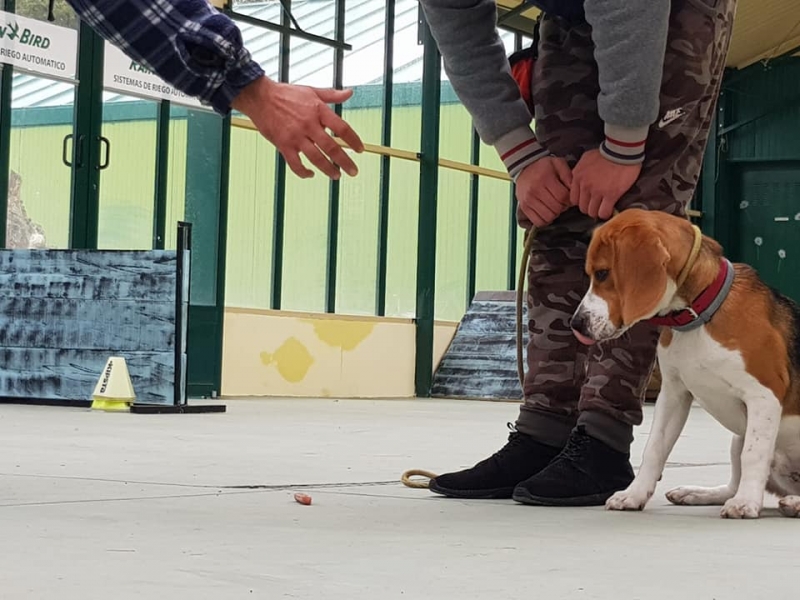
pixel 188 43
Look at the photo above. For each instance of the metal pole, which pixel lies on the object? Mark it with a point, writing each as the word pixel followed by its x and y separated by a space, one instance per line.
pixel 386 140
pixel 335 187
pixel 426 228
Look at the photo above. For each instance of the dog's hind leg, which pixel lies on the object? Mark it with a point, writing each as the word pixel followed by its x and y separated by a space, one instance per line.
pixel 790 506
pixel 763 420
pixel 692 495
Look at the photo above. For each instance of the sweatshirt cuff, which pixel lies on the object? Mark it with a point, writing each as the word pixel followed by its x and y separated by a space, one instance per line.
pixel 236 80
pixel 518 149
pixel 624 145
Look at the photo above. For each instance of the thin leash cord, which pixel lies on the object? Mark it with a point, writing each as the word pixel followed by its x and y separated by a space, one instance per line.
pixel 406 478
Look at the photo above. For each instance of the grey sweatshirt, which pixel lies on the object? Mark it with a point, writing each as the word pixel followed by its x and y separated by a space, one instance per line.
pixel 630 41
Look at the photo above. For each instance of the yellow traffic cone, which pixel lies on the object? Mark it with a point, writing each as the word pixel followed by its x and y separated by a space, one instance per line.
pixel 114 390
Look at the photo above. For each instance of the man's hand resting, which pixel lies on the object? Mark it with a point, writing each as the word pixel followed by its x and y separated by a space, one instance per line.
pixel 294 118
pixel 543 190
pixel 598 184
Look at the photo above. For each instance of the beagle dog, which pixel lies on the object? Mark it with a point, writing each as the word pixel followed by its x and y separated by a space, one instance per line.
pixel 727 340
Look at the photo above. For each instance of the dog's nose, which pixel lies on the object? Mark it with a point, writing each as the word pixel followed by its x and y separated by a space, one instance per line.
pixel 580 327
pixel 578 323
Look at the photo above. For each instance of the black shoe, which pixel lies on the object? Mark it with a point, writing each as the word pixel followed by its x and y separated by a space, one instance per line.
pixel 586 473
pixel 496 476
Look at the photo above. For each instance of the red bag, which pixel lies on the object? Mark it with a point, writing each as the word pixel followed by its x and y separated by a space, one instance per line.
pixel 522 62
pixel 522 71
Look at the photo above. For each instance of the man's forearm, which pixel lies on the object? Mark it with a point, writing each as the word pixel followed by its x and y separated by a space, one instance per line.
pixel 476 63
pixel 630 39
pixel 187 43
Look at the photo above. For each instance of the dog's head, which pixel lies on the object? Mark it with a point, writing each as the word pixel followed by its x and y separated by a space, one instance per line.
pixel 632 274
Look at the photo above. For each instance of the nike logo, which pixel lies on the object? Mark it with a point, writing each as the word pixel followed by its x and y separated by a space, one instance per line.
pixel 670 116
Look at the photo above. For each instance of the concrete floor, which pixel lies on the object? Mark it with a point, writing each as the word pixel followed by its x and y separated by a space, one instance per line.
pixel 116 506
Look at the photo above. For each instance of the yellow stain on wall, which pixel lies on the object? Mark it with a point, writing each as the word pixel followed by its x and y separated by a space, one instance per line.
pixel 292 359
pixel 346 335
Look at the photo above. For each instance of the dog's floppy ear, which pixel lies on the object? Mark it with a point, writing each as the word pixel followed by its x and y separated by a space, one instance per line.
pixel 640 272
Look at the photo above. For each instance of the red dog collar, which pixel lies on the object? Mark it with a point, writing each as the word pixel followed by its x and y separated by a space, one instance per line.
pixel 704 306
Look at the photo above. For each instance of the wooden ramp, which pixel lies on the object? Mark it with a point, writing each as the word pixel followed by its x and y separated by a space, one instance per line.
pixel 481 361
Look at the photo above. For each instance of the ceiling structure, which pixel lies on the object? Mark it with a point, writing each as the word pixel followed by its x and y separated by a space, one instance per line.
pixel 762 30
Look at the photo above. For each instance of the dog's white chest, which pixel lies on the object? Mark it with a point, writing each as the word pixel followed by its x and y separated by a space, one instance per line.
pixel 715 376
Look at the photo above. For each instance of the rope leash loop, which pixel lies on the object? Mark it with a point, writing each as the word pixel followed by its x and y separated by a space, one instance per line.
pixel 416 483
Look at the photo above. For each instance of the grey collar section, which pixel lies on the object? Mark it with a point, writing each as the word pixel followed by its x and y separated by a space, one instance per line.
pixel 705 316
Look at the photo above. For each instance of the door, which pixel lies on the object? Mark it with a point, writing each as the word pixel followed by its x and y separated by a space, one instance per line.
pixel 769 224
pixel 39 141
pixel 161 162
pixel 127 172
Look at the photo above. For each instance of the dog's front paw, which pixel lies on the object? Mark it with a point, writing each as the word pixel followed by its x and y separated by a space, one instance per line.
pixel 741 508
pixel 630 499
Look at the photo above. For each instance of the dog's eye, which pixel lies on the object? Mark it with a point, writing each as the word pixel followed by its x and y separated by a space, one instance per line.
pixel 601 275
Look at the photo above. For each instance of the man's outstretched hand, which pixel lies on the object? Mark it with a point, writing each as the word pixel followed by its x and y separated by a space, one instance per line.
pixel 543 190
pixel 295 119
pixel 598 184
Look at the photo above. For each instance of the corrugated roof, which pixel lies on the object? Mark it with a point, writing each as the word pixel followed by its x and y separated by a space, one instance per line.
pixel 762 28
pixel 311 63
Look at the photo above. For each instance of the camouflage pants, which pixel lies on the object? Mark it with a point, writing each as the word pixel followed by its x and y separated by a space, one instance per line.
pixel 603 387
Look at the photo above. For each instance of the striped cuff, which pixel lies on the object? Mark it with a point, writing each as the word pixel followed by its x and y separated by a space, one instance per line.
pixel 518 149
pixel 624 145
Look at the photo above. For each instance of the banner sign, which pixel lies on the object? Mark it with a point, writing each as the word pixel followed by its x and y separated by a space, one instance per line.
pixel 38 46
pixel 126 76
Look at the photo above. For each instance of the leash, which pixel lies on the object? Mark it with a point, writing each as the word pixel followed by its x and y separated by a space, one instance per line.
pixel 406 477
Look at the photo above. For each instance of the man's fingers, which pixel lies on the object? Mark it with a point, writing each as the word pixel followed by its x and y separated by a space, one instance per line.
pixel 556 196
pixel 318 159
pixel 564 172
pixel 606 209
pixel 336 153
pixel 540 214
pixel 594 205
pixel 575 194
pixel 330 96
pixel 292 159
pixel 531 211
pixel 584 202
pixel 338 126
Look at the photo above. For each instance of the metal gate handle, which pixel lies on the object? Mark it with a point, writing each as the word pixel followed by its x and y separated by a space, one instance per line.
pixel 104 141
pixel 64 145
pixel 78 151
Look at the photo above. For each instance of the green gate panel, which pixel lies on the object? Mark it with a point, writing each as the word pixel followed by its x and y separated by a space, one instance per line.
pixel 768 218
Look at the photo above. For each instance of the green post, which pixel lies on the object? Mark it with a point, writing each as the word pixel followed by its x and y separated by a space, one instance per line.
pixel 428 192
pixel 718 216
pixel 512 213
pixel 222 240
pixel 279 211
pixel 5 146
pixel 6 79
pixel 86 145
pixel 512 239
pixel 162 175
pixel 205 210
pixel 472 244
pixel 386 140
pixel 334 189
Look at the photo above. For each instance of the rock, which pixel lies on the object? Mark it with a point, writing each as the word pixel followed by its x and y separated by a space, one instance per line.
pixel 21 231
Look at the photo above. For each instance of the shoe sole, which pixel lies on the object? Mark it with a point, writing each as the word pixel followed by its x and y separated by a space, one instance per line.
pixel 523 496
pixel 494 494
